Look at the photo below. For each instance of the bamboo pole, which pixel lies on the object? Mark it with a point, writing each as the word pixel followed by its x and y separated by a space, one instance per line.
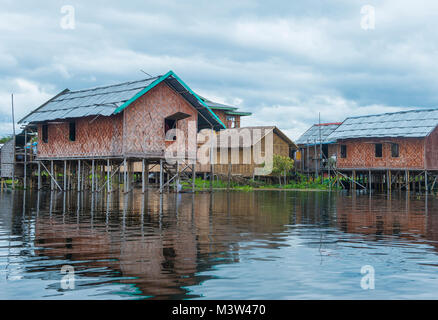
pixel 79 176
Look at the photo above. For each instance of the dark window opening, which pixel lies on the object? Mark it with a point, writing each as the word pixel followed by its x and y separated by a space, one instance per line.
pixel 378 150
pixel 325 151
pixel 45 131
pixel 343 151
pixel 395 151
pixel 72 131
pixel 169 124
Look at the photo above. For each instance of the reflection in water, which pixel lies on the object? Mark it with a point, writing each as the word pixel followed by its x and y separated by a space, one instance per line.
pixel 260 245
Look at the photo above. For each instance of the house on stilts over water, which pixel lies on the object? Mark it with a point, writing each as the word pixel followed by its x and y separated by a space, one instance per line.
pixel 102 131
pixel 389 151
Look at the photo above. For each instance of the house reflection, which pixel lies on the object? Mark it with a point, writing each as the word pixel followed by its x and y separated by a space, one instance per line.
pixel 161 244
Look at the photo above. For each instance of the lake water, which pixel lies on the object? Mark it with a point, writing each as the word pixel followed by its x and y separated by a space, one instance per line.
pixel 237 245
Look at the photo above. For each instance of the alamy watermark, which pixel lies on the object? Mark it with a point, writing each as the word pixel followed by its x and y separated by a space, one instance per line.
pixel 368 279
pixel 68 20
pixel 68 280
pixel 368 21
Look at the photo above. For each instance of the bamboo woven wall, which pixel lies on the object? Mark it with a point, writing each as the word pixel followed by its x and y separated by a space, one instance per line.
pixel 101 137
pixel 144 120
pixel 361 154
pixel 432 150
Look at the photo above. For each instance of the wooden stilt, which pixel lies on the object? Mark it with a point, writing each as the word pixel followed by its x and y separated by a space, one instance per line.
pixel 146 175
pixel 108 175
pixel 369 180
pixel 125 180
pixel 142 176
pixel 39 175
pixel 193 176
pixel 51 172
pixel 425 181
pixel 92 176
pixel 65 175
pixel 79 176
pixel 389 181
pixel 161 175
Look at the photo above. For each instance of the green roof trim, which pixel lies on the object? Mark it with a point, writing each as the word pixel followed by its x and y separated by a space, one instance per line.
pixel 158 81
pixel 222 108
pixel 238 113
pixel 197 97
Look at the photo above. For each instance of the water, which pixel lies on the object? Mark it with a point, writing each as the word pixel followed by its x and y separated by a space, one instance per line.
pixel 238 245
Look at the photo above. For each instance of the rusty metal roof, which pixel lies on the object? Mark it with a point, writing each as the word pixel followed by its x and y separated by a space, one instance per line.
pixel 311 136
pixel 414 123
pixel 112 99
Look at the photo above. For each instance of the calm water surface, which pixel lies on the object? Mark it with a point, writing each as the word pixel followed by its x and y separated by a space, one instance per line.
pixel 238 245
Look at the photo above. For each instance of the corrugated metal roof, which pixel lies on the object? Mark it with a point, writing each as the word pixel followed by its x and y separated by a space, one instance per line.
pixel 95 101
pixel 413 123
pixel 311 136
pixel 113 99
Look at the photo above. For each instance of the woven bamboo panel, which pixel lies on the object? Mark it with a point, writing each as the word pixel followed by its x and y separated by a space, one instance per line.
pixel 432 150
pixel 361 154
pixel 101 137
pixel 144 119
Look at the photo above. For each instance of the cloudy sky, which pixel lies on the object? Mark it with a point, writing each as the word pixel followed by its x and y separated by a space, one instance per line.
pixel 285 61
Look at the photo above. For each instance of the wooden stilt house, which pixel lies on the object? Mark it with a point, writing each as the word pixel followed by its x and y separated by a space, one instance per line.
pixel 99 130
pixel 391 150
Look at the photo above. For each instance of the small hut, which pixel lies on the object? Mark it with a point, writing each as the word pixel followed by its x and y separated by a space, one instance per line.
pixel 238 150
pixel 315 149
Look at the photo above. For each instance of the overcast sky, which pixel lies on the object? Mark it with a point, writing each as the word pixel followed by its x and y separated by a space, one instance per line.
pixel 285 61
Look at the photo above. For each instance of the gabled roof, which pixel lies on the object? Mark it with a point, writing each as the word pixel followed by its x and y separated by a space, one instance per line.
pixel 264 131
pixel 312 135
pixel 109 100
pixel 414 123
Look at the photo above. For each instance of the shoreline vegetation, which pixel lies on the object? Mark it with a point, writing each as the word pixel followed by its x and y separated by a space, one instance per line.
pixel 303 185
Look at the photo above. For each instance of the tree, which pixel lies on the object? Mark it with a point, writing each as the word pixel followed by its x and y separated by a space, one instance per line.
pixel 282 166
pixel 5 139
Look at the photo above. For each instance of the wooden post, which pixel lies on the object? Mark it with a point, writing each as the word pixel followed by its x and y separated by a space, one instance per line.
pixel 177 176
pixel 408 185
pixel 39 175
pixel 354 180
pixel 51 180
pixel 108 175
pixel 193 176
pixel 369 180
pixel 65 175
pixel 125 180
pixel 146 174
pixel 425 181
pixel 79 176
pixel 92 176
pixel 161 175
pixel 389 183
pixel 142 176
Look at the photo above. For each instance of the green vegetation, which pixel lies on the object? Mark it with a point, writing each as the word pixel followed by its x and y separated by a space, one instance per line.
pixel 5 139
pixel 299 183
pixel 201 184
pixel 282 167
